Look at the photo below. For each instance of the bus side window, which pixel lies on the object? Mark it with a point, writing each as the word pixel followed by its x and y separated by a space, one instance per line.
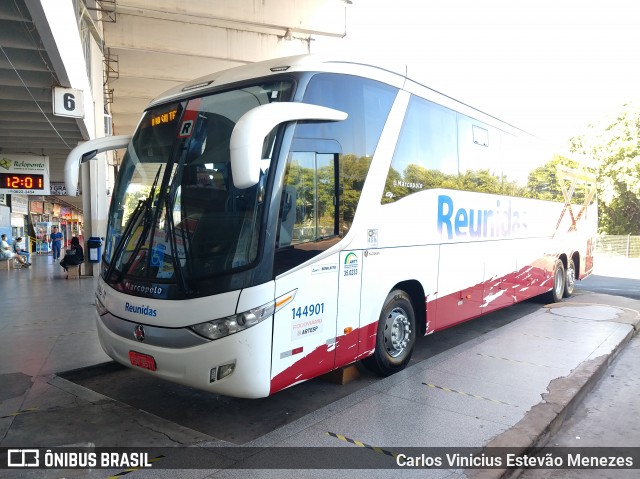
pixel 480 158
pixel 287 216
pixel 426 154
pixel 308 212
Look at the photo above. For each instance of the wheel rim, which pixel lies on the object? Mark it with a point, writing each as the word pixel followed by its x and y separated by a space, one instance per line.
pixel 571 278
pixel 397 332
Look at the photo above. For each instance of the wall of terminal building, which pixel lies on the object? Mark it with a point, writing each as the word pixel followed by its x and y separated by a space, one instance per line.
pixel 32 217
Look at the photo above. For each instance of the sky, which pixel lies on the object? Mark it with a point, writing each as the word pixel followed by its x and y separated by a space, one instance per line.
pixel 550 67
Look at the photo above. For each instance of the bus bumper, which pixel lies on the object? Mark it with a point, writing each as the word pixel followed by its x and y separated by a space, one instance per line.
pixel 192 366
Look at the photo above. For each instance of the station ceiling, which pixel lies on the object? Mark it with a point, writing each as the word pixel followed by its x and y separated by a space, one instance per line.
pixel 148 48
pixel 28 70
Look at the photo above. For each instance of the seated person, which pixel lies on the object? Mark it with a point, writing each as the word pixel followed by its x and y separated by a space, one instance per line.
pixel 18 248
pixel 6 253
pixel 75 255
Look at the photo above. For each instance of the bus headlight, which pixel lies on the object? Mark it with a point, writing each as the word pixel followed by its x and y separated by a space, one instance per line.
pixel 219 328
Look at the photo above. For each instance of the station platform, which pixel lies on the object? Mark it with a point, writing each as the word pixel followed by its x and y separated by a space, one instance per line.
pixel 510 385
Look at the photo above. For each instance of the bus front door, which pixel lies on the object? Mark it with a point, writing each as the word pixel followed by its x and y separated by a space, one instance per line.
pixel 304 331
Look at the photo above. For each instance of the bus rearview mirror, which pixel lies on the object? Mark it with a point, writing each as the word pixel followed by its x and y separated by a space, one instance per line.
pixel 88 151
pixel 248 135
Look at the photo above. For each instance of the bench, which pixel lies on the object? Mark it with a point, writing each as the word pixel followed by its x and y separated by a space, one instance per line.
pixel 73 271
pixel 10 261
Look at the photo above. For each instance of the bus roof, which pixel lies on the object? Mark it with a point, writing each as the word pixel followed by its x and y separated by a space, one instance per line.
pixel 394 74
pixel 310 62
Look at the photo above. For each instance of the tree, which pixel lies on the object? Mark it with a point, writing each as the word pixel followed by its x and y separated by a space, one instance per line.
pixel 543 182
pixel 615 145
pixel 483 181
pixel 353 171
pixel 131 201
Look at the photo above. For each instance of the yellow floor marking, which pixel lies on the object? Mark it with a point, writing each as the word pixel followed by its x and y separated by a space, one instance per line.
pixel 466 394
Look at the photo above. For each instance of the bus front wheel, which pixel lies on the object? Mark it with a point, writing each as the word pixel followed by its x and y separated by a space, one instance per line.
pixel 396 335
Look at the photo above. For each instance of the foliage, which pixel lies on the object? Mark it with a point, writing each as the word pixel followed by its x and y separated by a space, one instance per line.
pixel 131 201
pixel 315 195
pixel 484 181
pixel 353 171
pixel 615 145
pixel 420 178
pixel 543 182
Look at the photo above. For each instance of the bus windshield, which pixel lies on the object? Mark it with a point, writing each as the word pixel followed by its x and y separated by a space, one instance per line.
pixel 176 216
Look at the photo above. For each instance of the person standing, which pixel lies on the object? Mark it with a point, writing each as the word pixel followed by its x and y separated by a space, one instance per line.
pixel 56 242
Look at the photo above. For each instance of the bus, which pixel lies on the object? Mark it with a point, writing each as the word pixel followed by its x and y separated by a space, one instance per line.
pixel 279 220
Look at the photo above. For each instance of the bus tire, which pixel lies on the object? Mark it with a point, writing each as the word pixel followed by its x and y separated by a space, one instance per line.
pixel 396 335
pixel 559 280
pixel 569 279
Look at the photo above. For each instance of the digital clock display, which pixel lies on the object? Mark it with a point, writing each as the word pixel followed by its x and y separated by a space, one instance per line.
pixel 21 181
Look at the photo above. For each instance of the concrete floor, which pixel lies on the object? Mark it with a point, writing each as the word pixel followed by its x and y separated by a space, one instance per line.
pixel 512 387
pixel 609 415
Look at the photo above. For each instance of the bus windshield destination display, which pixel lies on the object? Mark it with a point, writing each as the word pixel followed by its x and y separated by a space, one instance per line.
pixel 167 117
pixel 21 181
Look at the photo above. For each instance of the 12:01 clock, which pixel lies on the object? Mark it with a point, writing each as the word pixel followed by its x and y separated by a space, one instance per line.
pixel 21 181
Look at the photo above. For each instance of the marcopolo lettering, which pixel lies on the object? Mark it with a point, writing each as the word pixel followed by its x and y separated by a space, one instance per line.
pixel 138 288
pixel 500 222
pixel 146 310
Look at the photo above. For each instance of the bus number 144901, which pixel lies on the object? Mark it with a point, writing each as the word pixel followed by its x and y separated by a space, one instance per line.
pixel 311 310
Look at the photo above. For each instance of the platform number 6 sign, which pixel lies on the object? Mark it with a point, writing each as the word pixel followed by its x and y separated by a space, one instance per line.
pixel 68 102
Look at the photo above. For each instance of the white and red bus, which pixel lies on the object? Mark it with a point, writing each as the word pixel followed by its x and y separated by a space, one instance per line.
pixel 273 222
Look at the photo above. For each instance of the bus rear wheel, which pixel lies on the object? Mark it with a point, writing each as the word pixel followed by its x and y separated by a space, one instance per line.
pixel 396 335
pixel 570 279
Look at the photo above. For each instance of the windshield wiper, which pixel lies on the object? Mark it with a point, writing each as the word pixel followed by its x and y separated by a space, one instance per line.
pixel 144 206
pixel 123 239
pixel 177 267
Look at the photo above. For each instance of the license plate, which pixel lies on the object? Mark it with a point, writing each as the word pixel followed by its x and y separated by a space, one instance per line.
pixel 142 360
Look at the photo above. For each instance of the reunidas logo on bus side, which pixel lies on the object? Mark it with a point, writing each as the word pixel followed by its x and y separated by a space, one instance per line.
pixel 500 222
pixel 145 310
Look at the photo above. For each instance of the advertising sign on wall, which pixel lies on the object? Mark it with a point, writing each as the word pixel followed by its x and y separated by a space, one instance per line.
pixel 57 188
pixel 36 207
pixel 24 174
pixel 20 204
